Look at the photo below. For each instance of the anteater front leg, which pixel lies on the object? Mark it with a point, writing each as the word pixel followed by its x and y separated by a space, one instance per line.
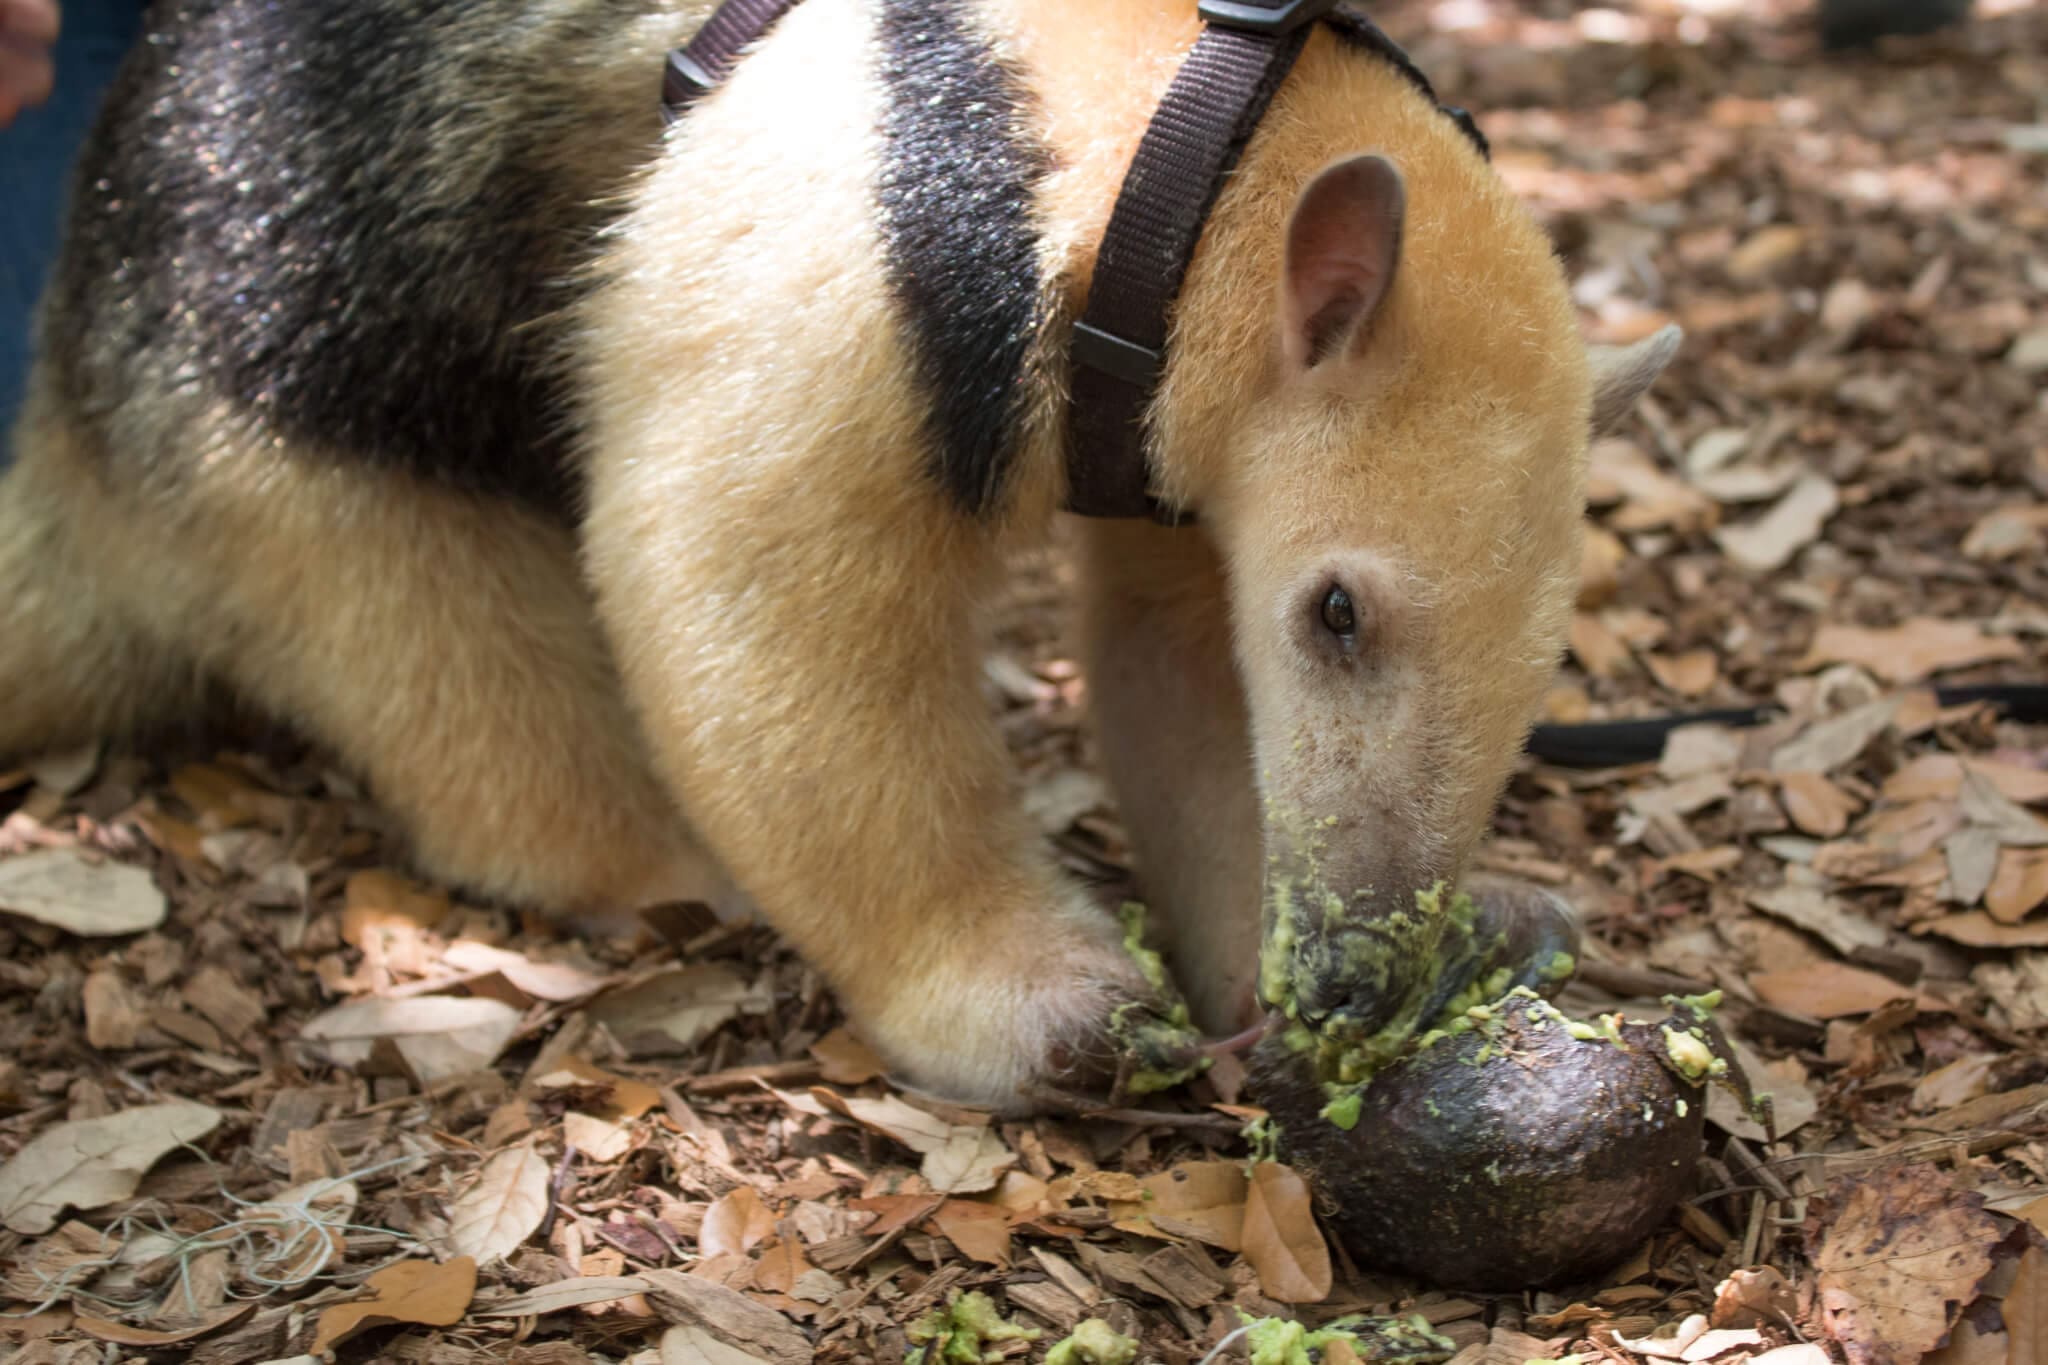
pixel 805 665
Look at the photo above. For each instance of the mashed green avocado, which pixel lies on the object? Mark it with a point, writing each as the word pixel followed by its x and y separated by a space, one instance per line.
pixel 958 1333
pixel 1093 1342
pixel 1406 1340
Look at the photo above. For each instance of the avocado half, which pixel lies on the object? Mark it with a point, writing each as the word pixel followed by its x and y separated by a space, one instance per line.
pixel 1526 1151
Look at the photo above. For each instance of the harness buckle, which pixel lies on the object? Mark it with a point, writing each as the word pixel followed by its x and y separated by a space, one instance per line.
pixel 1116 356
pixel 1284 17
pixel 684 81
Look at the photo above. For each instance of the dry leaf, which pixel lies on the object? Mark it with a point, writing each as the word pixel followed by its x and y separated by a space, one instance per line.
pixel 122 1334
pixel 1816 805
pixel 1691 674
pixel 410 1291
pixel 1201 1200
pixel 556 982
pixel 1599 650
pixel 437 1036
pixel 1826 917
pixel 81 893
pixel 2026 1311
pixel 563 1295
pixel 90 1162
pixel 1908 653
pixel 597 1138
pixel 1962 1080
pixel 1281 1239
pixel 1983 804
pixel 1753 1296
pixel 1827 744
pixel 502 1207
pixel 1976 929
pixel 981 1231
pixel 2020 885
pixel 676 1008
pixel 1830 990
pixel 1972 856
pixel 695 1346
pixel 958 1158
pixel 735 1224
pixel 1618 471
pixel 1900 1253
pixel 1793 523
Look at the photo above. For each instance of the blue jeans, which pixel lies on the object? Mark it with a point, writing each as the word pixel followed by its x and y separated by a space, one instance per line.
pixel 35 168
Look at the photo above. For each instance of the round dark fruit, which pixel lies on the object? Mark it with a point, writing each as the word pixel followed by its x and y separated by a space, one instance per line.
pixel 1522 1149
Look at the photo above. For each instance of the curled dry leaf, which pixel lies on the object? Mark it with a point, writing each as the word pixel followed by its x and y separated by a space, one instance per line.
pixel 1830 990
pixel 735 1224
pixel 1793 523
pixel 80 893
pixel 410 1291
pixel 1900 1254
pixel 1281 1239
pixel 502 1207
pixel 90 1162
pixel 437 1036
pixel 1908 653
pixel 676 1008
pixel 1200 1200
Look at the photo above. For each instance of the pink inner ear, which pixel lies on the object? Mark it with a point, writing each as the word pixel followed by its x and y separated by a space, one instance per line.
pixel 1343 245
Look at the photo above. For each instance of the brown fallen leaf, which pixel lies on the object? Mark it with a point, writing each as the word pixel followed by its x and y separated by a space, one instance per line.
pixel 555 982
pixel 1962 1080
pixel 86 1163
pixel 498 1210
pixel 981 1231
pixel 845 1059
pixel 2020 885
pixel 1900 1253
pixel 410 1291
pixel 735 1224
pixel 1830 990
pixel 1908 653
pixel 1816 805
pixel 1598 649
pixel 376 901
pixel 1691 674
pixel 2026 1311
pixel 1201 1200
pixel 1976 929
pixel 782 1265
pixel 1281 1240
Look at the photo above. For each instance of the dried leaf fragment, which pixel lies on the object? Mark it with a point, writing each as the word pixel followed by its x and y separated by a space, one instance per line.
pixel 410 1291
pixel 80 893
pixel 501 1208
pixel 1281 1239
pixel 89 1162
pixel 1900 1254
pixel 437 1036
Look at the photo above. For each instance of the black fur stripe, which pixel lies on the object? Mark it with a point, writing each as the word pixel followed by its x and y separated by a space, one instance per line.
pixel 960 171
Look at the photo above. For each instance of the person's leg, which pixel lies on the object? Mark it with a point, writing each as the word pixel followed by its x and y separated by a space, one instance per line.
pixel 36 152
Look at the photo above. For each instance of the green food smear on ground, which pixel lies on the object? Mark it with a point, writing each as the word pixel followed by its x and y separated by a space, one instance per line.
pixel 960 1332
pixel 1093 1342
pixel 1343 1110
pixel 1408 1340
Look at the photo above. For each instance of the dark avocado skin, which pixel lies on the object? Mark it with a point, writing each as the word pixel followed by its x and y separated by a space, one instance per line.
pixel 1534 1167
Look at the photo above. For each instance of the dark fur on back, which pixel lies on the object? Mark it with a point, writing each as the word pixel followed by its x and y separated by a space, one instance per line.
pixel 957 184
pixel 355 221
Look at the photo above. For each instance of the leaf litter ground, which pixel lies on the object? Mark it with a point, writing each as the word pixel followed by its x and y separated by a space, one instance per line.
pixel 262 1095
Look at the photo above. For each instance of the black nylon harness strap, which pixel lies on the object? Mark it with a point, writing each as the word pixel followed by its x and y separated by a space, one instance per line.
pixel 1195 137
pixel 697 67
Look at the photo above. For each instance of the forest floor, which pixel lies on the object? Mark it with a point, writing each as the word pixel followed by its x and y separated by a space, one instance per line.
pixel 261 1095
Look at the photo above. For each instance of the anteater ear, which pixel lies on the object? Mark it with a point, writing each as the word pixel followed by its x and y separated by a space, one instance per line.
pixel 1343 244
pixel 1621 373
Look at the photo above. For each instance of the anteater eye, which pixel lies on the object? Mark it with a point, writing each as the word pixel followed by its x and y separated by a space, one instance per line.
pixel 1338 617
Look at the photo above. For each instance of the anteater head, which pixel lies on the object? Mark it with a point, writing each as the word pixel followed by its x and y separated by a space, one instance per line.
pixel 1381 409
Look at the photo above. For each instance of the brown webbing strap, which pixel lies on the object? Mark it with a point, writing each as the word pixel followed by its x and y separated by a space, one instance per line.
pixel 1200 128
pixel 697 67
